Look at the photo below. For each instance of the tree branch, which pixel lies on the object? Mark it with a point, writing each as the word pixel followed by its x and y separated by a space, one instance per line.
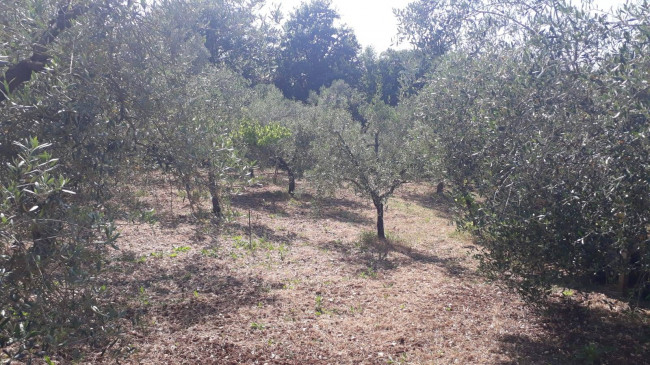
pixel 22 72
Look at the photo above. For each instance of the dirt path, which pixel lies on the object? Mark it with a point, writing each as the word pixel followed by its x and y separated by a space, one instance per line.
pixel 305 290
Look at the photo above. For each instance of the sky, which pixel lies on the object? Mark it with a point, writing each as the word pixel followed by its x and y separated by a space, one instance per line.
pixel 373 21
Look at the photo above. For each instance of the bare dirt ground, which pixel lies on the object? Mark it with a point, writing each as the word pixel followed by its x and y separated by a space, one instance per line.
pixel 305 289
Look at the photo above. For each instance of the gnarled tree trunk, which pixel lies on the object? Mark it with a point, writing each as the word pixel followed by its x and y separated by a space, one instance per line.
pixel 379 205
pixel 22 71
pixel 290 173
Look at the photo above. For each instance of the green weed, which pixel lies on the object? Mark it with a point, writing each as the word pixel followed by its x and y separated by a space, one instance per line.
pixel 258 326
pixel 210 252
pixel 319 305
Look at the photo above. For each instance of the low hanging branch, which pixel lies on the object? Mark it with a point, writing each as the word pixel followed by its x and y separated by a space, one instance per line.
pixel 22 71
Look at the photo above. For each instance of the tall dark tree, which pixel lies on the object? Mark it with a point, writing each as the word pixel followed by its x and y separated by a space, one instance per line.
pixel 238 37
pixel 315 52
pixel 392 75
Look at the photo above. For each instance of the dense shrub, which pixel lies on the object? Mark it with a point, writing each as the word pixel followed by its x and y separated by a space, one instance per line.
pixel 546 141
pixel 51 251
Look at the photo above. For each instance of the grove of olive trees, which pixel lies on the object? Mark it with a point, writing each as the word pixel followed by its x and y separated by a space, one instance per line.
pixel 534 113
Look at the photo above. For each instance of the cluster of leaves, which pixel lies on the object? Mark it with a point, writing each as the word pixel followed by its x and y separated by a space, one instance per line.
pixel 253 134
pixel 315 52
pixel 549 131
pixel 51 252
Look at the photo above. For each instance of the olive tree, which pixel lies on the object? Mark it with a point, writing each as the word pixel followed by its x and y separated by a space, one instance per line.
pixel 52 251
pixel 375 157
pixel 110 87
pixel 281 133
pixel 549 130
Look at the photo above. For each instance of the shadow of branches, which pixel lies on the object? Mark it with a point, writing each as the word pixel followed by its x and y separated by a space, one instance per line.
pixel 575 334
pixel 186 294
pixel 391 256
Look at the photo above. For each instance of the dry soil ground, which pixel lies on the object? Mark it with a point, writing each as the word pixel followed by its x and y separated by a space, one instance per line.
pixel 306 289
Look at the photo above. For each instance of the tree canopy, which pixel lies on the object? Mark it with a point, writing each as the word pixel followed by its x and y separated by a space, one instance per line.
pixel 314 51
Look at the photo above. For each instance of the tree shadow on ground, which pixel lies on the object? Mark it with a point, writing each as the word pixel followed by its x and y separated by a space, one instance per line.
pixel 443 204
pixel 393 256
pixel 341 215
pixel 276 202
pixel 262 231
pixel 189 294
pixel 579 335
pixel 256 200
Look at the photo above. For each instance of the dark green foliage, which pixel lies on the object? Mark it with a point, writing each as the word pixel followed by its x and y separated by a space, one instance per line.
pixel 240 39
pixel 51 251
pixel 393 75
pixel 315 52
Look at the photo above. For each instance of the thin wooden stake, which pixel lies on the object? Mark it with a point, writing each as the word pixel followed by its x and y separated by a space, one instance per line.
pixel 250 231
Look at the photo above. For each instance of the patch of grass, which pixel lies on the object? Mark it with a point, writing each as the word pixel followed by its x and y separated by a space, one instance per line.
pixel 143 297
pixel 148 216
pixel 368 273
pixel 320 308
pixel 283 250
pixel 251 246
pixel 319 305
pixel 160 254
pixel 368 242
pixel 181 249
pixel 354 310
pixel 210 252
pixel 258 326
pixel 568 293
pixel 291 284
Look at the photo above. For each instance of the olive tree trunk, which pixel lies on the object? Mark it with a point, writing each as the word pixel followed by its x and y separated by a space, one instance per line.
pixel 214 193
pixel 282 164
pixel 379 205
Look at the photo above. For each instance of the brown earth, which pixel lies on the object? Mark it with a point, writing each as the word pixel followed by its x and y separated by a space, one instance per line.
pixel 306 288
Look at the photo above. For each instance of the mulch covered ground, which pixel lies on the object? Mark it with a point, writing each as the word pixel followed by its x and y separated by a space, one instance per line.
pixel 306 288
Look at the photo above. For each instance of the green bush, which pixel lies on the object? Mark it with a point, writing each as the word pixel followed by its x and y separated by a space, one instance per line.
pixel 51 251
pixel 545 140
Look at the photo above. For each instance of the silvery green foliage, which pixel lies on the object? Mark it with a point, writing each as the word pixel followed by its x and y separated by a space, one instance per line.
pixel 374 155
pixel 551 133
